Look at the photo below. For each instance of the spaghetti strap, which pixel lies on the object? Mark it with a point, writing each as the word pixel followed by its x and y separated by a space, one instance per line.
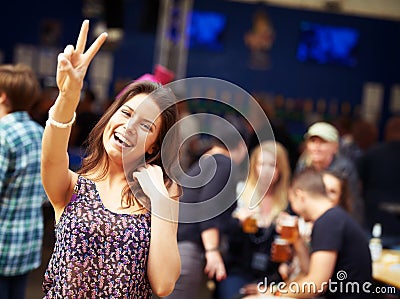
pixel 76 188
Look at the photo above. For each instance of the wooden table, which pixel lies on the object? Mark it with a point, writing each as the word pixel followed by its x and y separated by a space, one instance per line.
pixel 387 268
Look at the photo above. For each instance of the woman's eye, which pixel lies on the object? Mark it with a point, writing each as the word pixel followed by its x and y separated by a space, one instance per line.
pixel 146 126
pixel 126 112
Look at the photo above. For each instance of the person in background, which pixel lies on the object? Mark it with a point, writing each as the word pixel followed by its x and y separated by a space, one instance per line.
pixel 212 178
pixel 361 136
pixel 192 145
pixel 104 213
pixel 86 119
pixel 379 173
pixel 281 134
pixel 39 110
pixel 322 153
pixel 21 191
pixel 252 230
pixel 337 190
pixel 339 246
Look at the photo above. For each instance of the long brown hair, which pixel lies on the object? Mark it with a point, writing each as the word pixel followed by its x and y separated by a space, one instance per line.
pixel 96 155
pixel 345 198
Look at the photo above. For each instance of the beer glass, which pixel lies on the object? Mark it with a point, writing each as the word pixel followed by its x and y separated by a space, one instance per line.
pixel 280 250
pixel 288 230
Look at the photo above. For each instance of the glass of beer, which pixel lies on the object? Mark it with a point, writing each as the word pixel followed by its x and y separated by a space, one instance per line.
pixel 280 250
pixel 289 230
pixel 249 225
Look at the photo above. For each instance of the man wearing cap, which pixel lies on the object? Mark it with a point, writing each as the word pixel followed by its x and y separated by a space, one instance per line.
pixel 322 153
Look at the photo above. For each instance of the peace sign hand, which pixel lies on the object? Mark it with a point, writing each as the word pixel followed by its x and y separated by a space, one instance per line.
pixel 73 63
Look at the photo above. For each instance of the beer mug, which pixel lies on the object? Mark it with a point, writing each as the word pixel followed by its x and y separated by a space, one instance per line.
pixel 249 225
pixel 280 250
pixel 288 225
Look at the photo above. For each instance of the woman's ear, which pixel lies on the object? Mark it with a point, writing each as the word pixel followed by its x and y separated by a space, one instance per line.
pixel 152 149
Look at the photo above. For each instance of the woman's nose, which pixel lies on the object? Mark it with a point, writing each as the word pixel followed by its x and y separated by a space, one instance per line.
pixel 130 127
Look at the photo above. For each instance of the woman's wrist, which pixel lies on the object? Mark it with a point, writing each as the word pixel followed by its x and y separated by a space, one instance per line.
pixel 57 124
pixel 212 249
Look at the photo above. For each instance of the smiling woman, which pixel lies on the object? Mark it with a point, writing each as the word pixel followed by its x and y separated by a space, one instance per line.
pixel 102 226
pixel 131 133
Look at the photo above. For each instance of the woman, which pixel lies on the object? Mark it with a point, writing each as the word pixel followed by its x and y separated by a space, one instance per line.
pixel 247 259
pixel 103 247
pixel 269 177
pixel 337 189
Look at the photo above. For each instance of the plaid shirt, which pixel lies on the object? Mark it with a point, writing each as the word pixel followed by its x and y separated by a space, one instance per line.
pixel 21 194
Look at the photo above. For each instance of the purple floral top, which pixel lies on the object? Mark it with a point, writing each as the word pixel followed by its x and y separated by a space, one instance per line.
pixel 98 253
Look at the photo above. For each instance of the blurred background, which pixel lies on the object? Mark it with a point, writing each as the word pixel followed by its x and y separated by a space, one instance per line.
pixel 326 57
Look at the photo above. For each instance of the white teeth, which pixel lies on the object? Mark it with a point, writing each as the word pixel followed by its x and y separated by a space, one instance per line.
pixel 120 138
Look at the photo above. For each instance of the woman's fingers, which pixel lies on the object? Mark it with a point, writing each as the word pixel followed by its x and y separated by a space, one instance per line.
pixel 95 47
pixel 69 51
pixel 81 42
pixel 63 67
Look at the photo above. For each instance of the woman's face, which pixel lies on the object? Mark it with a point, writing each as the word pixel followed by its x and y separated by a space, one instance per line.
pixel 265 167
pixel 133 129
pixel 333 187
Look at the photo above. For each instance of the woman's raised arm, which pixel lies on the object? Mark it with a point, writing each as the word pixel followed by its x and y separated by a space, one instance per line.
pixel 71 70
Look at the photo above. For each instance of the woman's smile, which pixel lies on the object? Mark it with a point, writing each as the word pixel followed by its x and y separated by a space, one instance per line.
pixel 123 140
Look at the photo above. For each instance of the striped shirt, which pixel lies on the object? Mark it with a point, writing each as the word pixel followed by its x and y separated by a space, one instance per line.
pixel 21 194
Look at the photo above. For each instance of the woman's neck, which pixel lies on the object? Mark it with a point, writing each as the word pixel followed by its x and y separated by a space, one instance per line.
pixel 113 174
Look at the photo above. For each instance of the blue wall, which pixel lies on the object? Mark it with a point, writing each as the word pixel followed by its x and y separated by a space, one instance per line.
pixel 378 55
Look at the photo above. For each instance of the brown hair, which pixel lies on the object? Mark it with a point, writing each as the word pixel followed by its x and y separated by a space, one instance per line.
pixel 345 199
pixel 95 151
pixel 20 85
pixel 311 181
pixel 392 129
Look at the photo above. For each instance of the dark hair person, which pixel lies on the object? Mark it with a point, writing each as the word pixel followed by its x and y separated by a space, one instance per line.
pixel 103 244
pixel 21 190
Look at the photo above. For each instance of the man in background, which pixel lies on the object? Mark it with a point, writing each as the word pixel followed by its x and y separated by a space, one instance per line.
pixel 21 191
pixel 322 153
pixel 379 173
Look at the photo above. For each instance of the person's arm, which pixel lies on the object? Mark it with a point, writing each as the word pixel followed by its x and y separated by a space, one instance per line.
pixel 71 69
pixel 313 284
pixel 302 252
pixel 214 263
pixel 216 189
pixel 355 186
pixel 164 264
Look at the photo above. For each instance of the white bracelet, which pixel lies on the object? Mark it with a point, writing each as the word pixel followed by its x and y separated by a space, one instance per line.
pixel 52 121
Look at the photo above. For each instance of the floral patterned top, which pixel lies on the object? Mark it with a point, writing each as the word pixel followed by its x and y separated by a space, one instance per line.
pixel 98 253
